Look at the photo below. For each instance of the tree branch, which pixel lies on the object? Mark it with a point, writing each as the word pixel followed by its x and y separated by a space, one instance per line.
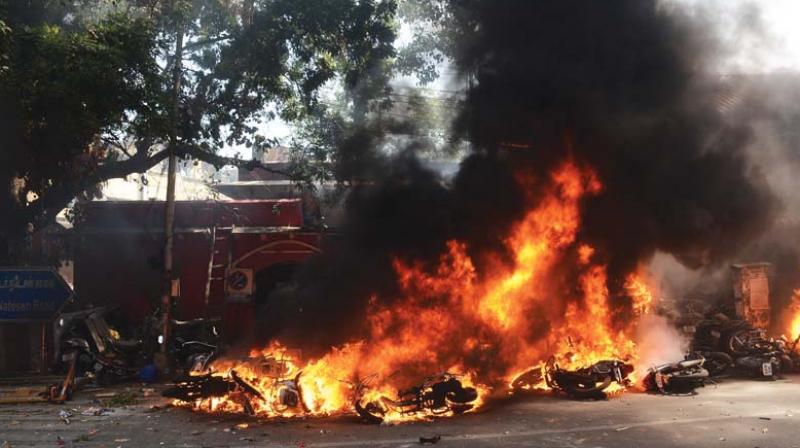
pixel 209 41
pixel 44 210
pixel 220 161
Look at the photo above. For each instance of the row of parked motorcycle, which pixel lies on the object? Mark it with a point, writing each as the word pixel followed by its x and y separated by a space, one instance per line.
pixel 98 343
pixel 721 346
pixel 91 345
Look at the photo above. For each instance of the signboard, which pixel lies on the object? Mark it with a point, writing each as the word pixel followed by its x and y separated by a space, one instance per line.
pixel 31 294
pixel 239 285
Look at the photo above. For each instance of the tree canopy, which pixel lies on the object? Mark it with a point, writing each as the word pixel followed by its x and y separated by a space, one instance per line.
pixel 88 88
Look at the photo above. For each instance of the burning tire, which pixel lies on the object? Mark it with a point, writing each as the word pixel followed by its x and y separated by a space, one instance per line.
pixel 587 382
pixel 584 387
pixel 528 380
pixel 460 401
pixel 372 412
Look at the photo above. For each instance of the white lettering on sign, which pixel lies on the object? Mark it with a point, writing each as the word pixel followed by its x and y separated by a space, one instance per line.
pixel 16 283
pixel 15 306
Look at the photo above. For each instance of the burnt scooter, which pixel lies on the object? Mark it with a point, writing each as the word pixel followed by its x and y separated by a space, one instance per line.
pixel 760 357
pixel 197 388
pixel 437 395
pixel 275 386
pixel 99 349
pixel 581 383
pixel 587 382
pixel 682 377
pixel 104 353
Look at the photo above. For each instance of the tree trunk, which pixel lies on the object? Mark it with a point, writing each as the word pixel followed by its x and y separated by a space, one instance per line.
pixel 169 214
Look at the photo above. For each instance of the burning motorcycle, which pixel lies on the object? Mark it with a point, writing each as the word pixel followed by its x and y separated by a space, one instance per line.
pixel 589 381
pixel 195 388
pixel 677 378
pixel 528 380
pixel 438 395
pixel 271 388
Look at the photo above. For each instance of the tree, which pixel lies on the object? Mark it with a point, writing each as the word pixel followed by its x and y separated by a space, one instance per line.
pixel 86 88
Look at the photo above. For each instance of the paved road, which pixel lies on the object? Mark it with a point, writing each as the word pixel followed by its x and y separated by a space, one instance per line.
pixel 736 413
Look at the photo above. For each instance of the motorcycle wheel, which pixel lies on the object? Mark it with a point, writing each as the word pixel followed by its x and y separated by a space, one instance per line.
pixel 527 380
pixel 371 412
pixel 586 387
pixel 736 342
pixel 461 401
pixel 717 362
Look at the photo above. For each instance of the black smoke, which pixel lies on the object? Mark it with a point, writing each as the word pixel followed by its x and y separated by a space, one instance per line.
pixel 627 86
pixel 624 86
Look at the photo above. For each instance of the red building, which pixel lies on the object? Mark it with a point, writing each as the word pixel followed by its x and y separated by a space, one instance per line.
pixel 228 256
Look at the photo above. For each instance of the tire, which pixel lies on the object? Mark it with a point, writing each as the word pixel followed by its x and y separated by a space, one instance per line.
pixel 735 343
pixel 717 363
pixel 465 395
pixel 586 387
pixel 527 380
pixel 371 413
pixel 730 333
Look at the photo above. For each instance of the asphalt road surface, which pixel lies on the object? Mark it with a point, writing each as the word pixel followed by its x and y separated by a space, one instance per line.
pixel 735 413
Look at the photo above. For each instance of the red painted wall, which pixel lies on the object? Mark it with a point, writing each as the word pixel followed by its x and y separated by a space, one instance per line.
pixel 119 252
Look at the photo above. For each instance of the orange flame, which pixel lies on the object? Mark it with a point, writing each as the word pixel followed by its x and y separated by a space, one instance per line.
pixel 794 325
pixel 488 326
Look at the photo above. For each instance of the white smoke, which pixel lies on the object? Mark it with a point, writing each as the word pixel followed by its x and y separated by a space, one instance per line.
pixel 658 342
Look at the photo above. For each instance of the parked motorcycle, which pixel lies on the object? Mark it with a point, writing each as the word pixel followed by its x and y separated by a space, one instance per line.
pixel 100 349
pixel 760 357
pixel 437 395
pixel 716 363
pixel 677 378
pixel 103 352
pixel 719 333
pixel 588 381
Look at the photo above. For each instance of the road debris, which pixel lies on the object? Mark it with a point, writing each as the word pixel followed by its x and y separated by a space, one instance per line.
pixel 96 411
pixel 430 440
pixel 64 416
pixel 124 398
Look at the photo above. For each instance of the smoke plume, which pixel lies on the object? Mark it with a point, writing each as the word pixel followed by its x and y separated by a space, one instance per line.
pixel 622 86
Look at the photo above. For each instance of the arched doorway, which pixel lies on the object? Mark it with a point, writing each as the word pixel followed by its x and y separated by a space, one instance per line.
pixel 272 298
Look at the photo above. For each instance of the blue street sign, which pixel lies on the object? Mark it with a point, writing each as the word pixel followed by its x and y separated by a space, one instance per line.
pixel 31 294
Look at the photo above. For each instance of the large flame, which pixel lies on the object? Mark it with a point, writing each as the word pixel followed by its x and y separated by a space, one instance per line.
pixel 551 297
pixel 794 310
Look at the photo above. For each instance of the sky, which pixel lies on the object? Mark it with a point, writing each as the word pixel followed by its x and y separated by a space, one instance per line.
pixel 773 46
